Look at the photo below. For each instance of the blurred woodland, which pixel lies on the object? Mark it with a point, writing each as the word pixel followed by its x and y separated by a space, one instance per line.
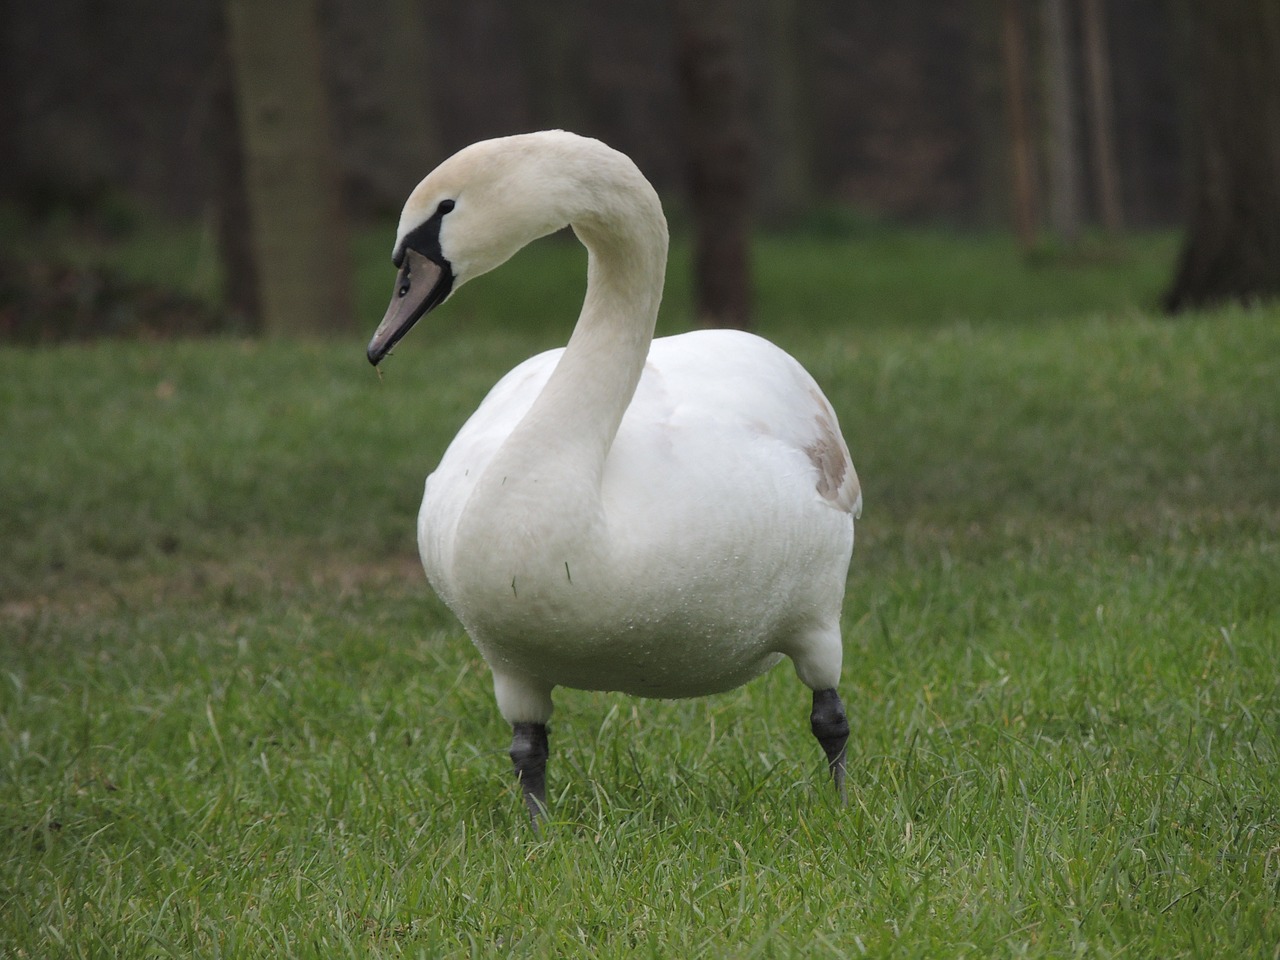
pixel 1048 117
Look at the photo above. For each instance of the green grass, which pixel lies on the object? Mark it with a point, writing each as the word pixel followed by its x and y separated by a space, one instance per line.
pixel 233 721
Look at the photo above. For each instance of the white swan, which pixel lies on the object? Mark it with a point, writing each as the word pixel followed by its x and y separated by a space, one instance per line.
pixel 667 517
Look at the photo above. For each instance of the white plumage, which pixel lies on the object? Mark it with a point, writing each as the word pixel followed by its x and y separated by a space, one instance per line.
pixel 667 517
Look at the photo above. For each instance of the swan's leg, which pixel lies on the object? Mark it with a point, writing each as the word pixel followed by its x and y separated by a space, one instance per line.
pixel 816 655
pixel 831 727
pixel 529 756
pixel 525 703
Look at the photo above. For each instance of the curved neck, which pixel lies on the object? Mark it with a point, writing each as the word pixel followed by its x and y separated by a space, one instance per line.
pixel 576 416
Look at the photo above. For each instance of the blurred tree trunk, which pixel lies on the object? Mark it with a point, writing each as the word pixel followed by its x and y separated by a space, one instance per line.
pixel 299 235
pixel 1097 59
pixel 410 116
pixel 556 63
pixel 1060 105
pixel 1021 147
pixel 230 199
pixel 1232 249
pixel 378 64
pixel 718 136
pixel 10 173
pixel 785 159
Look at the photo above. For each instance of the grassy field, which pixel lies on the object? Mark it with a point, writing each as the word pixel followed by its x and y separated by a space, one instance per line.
pixel 234 723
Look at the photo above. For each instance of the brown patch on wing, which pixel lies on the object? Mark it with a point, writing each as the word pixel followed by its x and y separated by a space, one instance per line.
pixel 827 456
pixel 837 480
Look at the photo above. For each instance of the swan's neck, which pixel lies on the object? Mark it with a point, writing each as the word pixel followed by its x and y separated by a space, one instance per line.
pixel 536 519
pixel 575 418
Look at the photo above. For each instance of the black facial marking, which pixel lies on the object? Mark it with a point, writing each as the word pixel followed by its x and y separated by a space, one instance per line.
pixel 425 238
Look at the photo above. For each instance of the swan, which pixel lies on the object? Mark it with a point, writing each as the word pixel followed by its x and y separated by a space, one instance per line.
pixel 666 518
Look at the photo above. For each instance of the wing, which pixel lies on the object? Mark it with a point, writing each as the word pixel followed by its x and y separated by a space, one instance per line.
pixel 734 396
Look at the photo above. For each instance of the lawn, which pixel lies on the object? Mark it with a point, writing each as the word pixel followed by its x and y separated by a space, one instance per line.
pixel 235 723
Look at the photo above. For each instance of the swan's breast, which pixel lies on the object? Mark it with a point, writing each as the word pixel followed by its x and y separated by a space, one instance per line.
pixel 450 486
pixel 687 564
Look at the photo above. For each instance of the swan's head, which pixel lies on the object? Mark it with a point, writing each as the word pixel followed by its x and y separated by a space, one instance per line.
pixel 477 209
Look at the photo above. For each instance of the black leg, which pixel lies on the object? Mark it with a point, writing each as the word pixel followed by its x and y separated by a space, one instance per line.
pixel 831 727
pixel 529 756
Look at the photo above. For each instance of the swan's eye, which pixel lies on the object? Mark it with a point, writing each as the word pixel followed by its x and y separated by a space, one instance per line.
pixel 445 207
pixel 404 289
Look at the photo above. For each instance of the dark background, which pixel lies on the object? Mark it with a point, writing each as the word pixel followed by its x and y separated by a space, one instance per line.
pixel 894 108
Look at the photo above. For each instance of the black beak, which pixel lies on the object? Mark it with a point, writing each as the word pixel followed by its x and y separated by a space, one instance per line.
pixel 423 284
